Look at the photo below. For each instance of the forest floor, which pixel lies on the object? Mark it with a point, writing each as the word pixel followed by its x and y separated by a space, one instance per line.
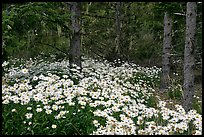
pixel 102 94
pixel 170 103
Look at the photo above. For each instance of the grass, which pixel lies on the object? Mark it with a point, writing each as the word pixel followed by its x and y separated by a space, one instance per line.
pixel 45 97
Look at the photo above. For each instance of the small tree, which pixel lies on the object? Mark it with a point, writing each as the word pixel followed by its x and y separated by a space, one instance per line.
pixel 165 76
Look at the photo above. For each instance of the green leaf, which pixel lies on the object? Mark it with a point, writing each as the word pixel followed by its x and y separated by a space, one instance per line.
pixel 36 124
pixel 64 133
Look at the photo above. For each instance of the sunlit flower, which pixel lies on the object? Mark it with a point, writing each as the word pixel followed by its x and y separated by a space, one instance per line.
pixel 58 116
pixel 28 115
pixel 46 107
pixel 161 104
pixel 45 101
pixel 141 132
pixel 112 96
pixel 55 107
pixel 65 76
pixel 196 132
pixel 140 120
pixel 165 116
pixel 5 63
pixel 6 101
pixel 15 99
pixel 48 111
pixel 162 132
pixel 39 109
pixel 95 122
pixel 63 113
pixel 35 78
pixel 25 99
pixel 24 71
pixel 29 108
pixel 95 95
pixel 115 109
pixel 83 103
pixel 13 110
pixel 54 126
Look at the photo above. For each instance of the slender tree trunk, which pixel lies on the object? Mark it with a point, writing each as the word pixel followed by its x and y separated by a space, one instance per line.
pixel 118 31
pixel 189 63
pixel 128 20
pixel 130 47
pixel 165 76
pixel 75 46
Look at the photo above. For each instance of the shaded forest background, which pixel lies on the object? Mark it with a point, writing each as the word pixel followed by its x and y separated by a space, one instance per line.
pixel 30 29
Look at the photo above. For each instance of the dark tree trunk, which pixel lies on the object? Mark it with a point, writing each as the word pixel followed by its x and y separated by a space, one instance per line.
pixel 165 76
pixel 189 62
pixel 75 45
pixel 118 30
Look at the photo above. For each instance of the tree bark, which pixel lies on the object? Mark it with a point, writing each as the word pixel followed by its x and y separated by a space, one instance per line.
pixel 189 63
pixel 118 30
pixel 165 76
pixel 75 45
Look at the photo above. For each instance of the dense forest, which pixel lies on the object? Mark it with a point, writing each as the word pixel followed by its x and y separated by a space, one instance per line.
pixel 102 68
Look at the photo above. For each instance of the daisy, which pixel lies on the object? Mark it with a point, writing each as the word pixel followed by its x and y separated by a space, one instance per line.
pixel 54 126
pixel 39 110
pixel 24 71
pixel 28 115
pixel 29 108
pixel 13 110
pixel 48 111
pixel 55 107
pixel 35 78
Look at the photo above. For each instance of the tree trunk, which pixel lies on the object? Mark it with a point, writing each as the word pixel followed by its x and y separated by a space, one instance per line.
pixel 189 63
pixel 75 45
pixel 118 31
pixel 165 76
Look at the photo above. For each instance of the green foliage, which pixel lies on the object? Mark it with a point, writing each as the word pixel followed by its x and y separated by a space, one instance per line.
pixel 73 124
pixel 197 105
pixel 152 101
pixel 170 7
pixel 26 25
pixel 175 90
pixel 150 80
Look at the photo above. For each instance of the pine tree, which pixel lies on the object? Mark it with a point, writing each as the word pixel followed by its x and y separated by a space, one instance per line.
pixel 189 63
